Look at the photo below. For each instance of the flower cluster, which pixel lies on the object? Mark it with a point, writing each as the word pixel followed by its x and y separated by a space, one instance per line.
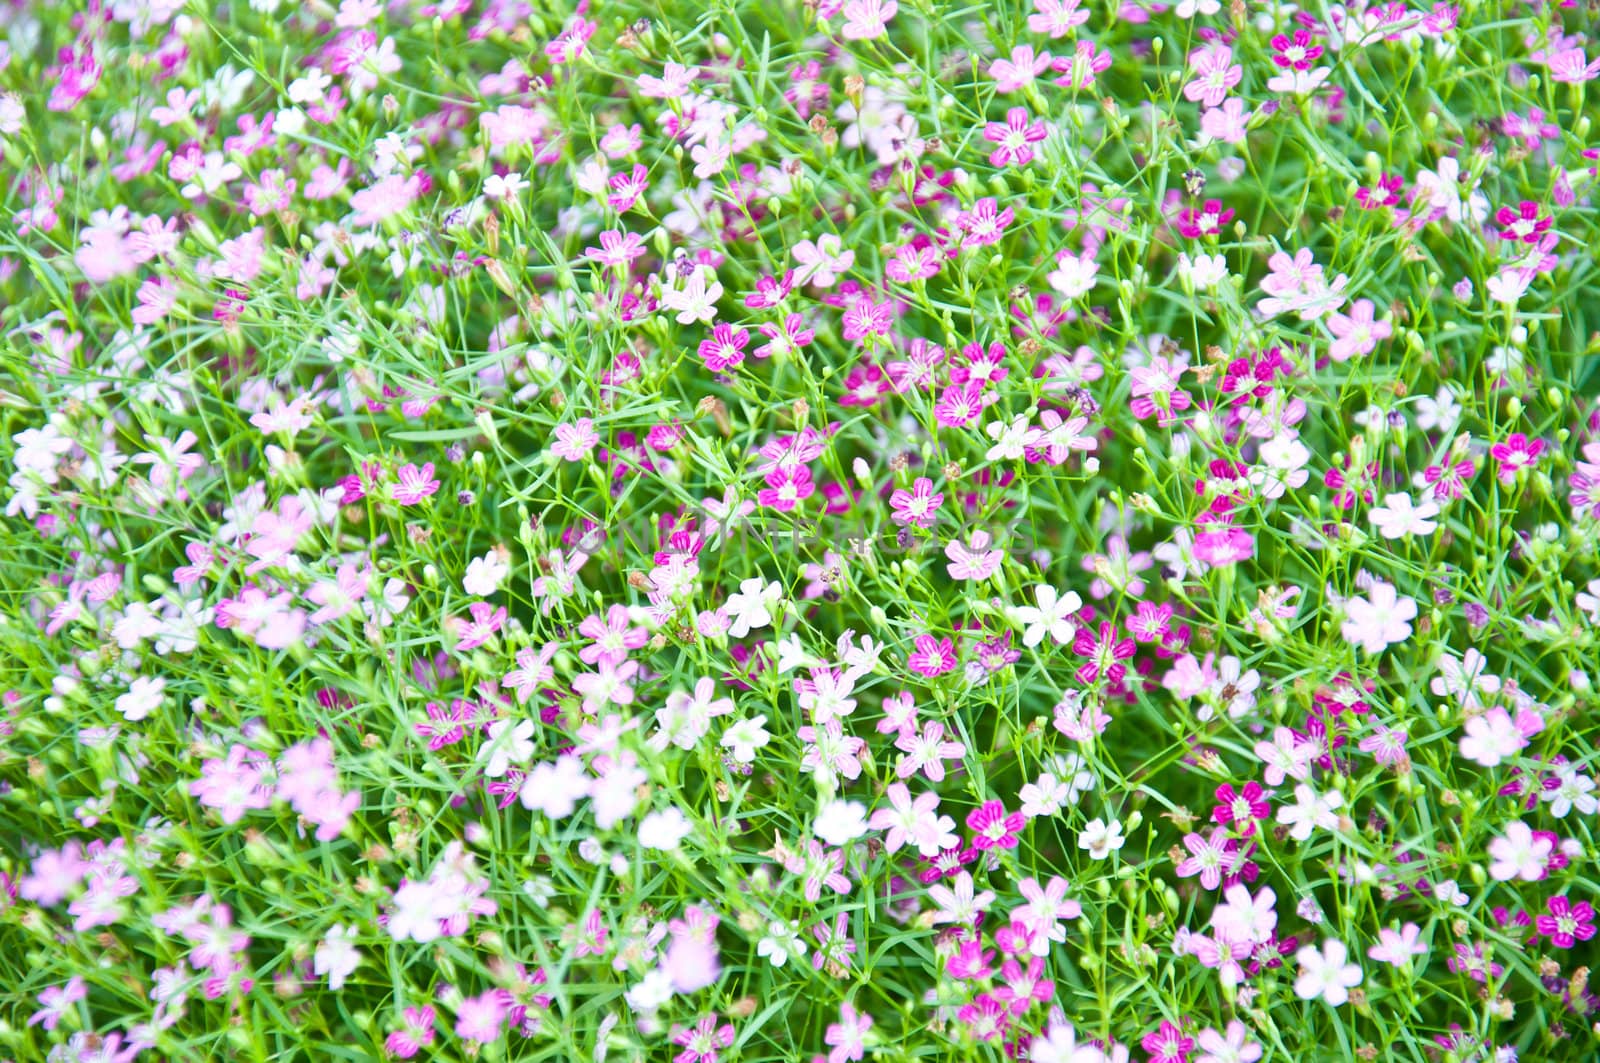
pixel 834 530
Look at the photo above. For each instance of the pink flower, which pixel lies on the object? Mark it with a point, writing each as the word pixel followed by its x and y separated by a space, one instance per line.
pixel 1215 73
pixel 1105 653
pixel 415 1033
pixel 915 822
pixel 866 20
pixel 1356 334
pixel 866 318
pixel 973 560
pixel 1014 138
pixel 1079 69
pixel 984 224
pixel 574 441
pixel 55 1000
pixel 485 621
pixel 926 752
pixel 919 506
pixel 617 248
pixel 702 1042
pixel 1056 18
pixel 480 1018
pixel 413 484
pixel 787 486
pixel 1020 70
pixel 848 1035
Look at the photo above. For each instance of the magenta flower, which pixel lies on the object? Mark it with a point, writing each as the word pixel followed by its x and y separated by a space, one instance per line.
pixel 1240 808
pixel 1516 453
pixel 1566 923
pixel 1105 653
pixel 1295 52
pixel 932 656
pixel 1169 1044
pixel 724 348
pixel 1205 220
pixel 787 486
pixel 993 828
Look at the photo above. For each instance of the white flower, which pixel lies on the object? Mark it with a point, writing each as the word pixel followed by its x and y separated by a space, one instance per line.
pixel 1491 738
pixel 485 574
pixel 1441 412
pixel 744 737
pixel 1379 620
pixel 1518 854
pixel 336 956
pixel 1010 439
pixel 507 187
pixel 781 944
pixel 663 830
pixel 792 654
pixel 1283 462
pixel 1310 810
pixel 1205 272
pixel 1052 616
pixel 1464 679
pixel 696 300
pixel 751 607
pixel 839 822
pixel 1245 918
pixel 822 262
pixel 1399 517
pixel 1059 1044
pixel 1326 974
pixel 540 890
pixel 144 695
pixel 1396 947
pixel 1074 275
pixel 1573 790
pixel 1100 839
pixel 555 789
pixel 309 87
pixel 510 742
pixel 654 990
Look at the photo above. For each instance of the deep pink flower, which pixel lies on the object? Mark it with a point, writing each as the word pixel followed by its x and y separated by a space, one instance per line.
pixel 1567 923
pixel 1522 223
pixel 1169 1044
pixel 932 656
pixel 1240 807
pixel 1515 454
pixel 993 828
pixel 1105 652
